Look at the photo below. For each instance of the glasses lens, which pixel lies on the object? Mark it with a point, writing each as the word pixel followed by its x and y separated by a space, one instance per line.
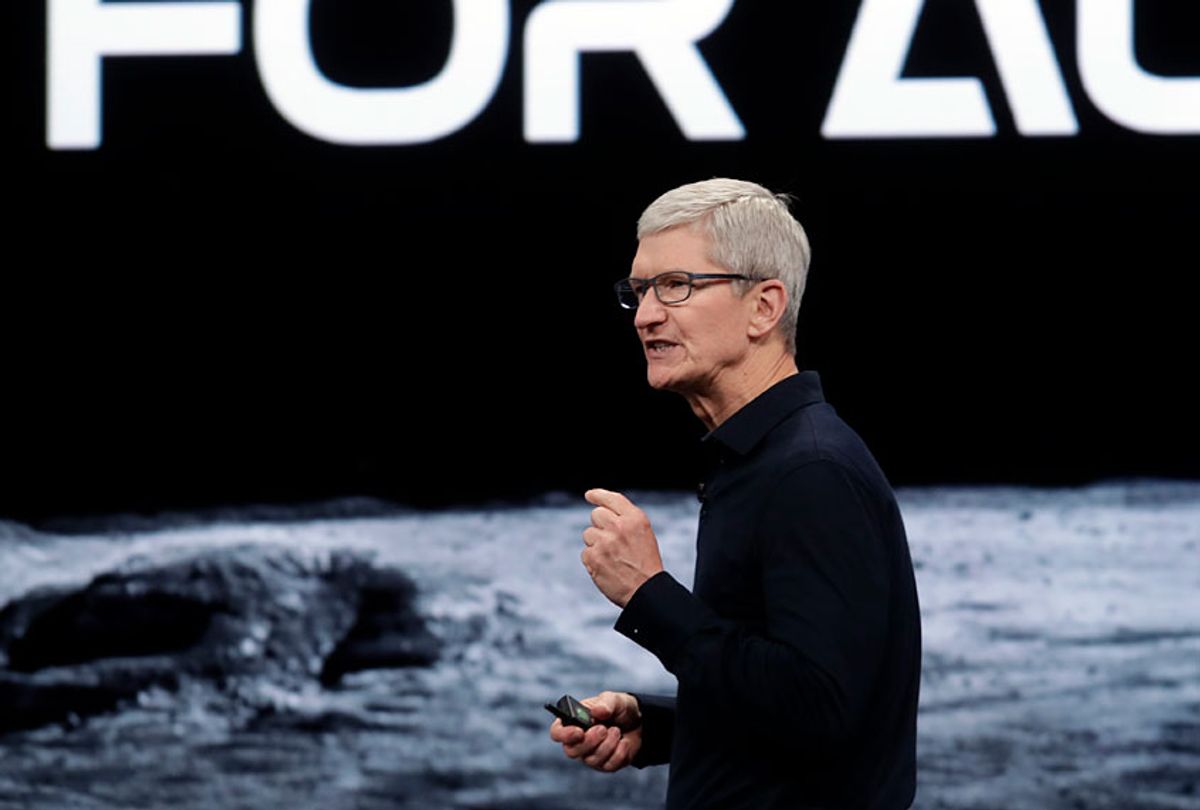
pixel 627 296
pixel 673 287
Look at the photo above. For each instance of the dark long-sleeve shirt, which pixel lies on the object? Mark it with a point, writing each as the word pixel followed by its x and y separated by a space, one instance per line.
pixel 798 650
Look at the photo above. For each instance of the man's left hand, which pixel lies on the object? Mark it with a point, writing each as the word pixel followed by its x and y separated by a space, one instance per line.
pixel 622 551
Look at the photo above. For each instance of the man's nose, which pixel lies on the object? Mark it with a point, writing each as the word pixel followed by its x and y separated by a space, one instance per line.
pixel 650 311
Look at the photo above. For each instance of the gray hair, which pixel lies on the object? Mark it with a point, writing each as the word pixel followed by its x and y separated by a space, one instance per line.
pixel 749 229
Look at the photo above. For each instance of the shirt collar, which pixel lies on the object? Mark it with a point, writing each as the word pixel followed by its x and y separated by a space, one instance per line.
pixel 747 427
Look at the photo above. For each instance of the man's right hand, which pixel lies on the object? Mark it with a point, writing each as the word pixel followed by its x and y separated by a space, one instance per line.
pixel 614 739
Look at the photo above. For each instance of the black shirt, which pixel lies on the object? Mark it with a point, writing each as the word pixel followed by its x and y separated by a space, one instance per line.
pixel 798 654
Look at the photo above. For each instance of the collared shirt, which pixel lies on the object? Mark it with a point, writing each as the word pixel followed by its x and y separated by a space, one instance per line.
pixel 798 651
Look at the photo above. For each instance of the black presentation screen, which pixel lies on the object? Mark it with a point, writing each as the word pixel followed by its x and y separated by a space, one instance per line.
pixel 279 252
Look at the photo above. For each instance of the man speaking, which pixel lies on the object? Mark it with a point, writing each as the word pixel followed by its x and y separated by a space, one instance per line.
pixel 798 651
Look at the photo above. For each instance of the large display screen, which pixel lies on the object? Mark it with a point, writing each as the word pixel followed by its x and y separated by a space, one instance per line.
pixel 295 249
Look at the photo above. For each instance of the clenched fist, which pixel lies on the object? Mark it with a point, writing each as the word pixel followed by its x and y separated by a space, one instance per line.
pixel 622 551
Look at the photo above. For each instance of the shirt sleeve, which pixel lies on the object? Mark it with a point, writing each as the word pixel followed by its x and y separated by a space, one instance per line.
pixel 808 672
pixel 658 729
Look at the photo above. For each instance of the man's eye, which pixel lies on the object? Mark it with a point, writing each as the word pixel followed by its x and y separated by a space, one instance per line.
pixel 673 283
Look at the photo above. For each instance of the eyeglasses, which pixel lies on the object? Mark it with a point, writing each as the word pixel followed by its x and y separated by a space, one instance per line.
pixel 673 287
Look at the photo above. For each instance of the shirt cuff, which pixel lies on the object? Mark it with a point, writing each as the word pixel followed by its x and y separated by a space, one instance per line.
pixel 658 729
pixel 661 616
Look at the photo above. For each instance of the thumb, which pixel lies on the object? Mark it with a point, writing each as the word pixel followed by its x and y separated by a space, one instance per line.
pixel 600 709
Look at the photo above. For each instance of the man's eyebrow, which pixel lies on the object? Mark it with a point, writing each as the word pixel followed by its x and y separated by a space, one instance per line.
pixel 662 273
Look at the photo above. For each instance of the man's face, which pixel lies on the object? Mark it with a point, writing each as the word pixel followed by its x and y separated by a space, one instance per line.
pixel 690 345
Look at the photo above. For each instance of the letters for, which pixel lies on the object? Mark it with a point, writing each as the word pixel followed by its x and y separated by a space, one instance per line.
pixel 870 98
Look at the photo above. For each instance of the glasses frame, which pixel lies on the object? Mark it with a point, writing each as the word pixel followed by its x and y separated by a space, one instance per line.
pixel 639 285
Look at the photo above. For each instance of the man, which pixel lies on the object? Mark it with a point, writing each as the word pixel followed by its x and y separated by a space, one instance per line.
pixel 797 652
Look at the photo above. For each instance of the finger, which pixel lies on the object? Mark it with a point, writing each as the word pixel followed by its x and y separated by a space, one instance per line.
pixel 592 536
pixel 587 743
pixel 577 750
pixel 623 707
pixel 601 710
pixel 604 518
pixel 604 750
pixel 609 698
pixel 621 757
pixel 615 501
pixel 565 734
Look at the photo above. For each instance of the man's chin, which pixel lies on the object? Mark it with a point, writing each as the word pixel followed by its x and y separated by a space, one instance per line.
pixel 662 382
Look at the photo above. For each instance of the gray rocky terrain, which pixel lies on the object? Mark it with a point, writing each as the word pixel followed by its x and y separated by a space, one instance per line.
pixel 401 660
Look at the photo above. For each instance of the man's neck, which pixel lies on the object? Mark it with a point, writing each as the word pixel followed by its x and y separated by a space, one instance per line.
pixel 740 386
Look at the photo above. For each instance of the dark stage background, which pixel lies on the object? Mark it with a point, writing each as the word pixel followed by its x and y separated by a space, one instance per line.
pixel 215 308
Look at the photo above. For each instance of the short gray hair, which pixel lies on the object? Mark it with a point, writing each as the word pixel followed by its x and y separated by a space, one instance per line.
pixel 749 229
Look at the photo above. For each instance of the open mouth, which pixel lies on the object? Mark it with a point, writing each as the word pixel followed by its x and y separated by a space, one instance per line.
pixel 658 347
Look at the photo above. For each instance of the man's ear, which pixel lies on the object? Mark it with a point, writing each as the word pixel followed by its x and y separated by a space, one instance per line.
pixel 770 302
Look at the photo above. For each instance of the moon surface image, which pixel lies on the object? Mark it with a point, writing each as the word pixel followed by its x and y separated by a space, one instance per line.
pixel 356 655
